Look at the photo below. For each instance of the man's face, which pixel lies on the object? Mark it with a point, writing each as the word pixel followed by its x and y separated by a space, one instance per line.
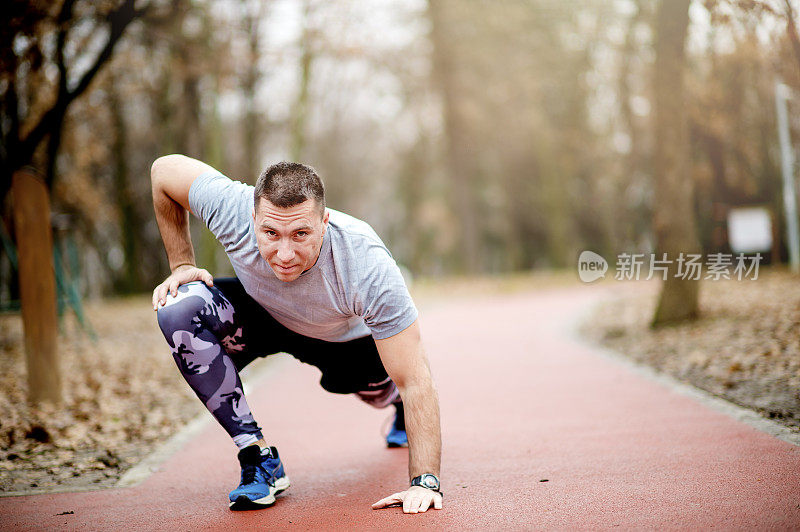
pixel 289 238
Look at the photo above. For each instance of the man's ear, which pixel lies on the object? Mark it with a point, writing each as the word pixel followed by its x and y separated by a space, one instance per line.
pixel 253 214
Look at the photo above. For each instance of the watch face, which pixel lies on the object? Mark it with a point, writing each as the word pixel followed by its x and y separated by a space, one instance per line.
pixel 430 482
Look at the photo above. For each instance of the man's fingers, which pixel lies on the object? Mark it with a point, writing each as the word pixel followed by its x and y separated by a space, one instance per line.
pixel 173 287
pixel 415 504
pixel 161 292
pixel 388 501
pixel 174 281
pixel 437 502
pixel 157 295
pixel 412 501
pixel 425 503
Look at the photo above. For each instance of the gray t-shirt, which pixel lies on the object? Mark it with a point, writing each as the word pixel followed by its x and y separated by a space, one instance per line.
pixel 355 288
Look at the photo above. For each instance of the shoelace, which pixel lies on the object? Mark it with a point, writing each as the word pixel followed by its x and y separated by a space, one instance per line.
pixel 249 474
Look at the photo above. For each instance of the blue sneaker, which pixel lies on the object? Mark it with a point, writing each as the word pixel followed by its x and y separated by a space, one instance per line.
pixel 397 434
pixel 263 477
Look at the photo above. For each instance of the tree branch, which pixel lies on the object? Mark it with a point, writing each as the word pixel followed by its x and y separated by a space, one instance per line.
pixel 63 18
pixel 120 19
pixel 10 109
pixel 52 119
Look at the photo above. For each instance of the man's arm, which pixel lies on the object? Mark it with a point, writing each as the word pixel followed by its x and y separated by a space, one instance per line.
pixel 406 363
pixel 172 177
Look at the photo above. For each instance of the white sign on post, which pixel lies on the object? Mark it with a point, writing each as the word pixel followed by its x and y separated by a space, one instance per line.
pixel 749 229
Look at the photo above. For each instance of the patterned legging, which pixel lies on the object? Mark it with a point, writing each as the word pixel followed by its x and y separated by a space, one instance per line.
pixel 216 331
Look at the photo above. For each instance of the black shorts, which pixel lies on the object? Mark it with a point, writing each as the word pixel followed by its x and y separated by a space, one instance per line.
pixel 347 367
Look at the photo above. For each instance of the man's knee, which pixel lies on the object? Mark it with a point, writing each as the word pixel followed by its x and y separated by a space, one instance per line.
pixel 380 394
pixel 181 312
pixel 202 312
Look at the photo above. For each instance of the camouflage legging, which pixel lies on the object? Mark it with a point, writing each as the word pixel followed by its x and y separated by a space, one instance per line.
pixel 215 331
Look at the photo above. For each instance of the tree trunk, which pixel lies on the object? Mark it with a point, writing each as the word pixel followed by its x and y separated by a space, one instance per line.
pixel 300 112
pixel 252 120
pixel 37 286
pixel 130 225
pixel 791 30
pixel 457 150
pixel 208 248
pixel 673 214
pixel 637 216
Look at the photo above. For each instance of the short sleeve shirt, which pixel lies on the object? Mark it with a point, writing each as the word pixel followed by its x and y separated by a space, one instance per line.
pixel 353 290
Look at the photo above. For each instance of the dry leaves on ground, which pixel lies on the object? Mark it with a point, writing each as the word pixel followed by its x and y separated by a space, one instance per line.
pixel 744 348
pixel 122 395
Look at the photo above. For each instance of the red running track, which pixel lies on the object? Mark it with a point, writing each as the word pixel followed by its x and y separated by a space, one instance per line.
pixel 521 401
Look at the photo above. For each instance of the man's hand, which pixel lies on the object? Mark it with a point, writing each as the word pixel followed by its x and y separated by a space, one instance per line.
pixel 415 499
pixel 185 273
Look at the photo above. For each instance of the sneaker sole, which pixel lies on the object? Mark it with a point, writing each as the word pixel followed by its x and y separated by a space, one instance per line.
pixel 282 484
pixel 243 503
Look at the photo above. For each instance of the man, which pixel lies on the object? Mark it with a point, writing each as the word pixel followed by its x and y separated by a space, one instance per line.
pixel 312 282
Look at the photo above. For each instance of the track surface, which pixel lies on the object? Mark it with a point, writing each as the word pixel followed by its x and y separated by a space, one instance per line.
pixel 521 401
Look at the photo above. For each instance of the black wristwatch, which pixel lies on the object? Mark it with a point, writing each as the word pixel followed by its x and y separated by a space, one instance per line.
pixel 427 480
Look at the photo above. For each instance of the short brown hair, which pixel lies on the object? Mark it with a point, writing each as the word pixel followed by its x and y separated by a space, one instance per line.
pixel 288 184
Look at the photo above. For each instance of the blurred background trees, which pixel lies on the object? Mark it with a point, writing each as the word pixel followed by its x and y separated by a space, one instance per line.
pixel 476 137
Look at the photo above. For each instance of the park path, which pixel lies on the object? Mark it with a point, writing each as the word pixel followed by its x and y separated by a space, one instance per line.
pixel 522 401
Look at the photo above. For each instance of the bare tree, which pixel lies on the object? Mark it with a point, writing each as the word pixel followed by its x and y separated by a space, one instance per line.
pixel 31 122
